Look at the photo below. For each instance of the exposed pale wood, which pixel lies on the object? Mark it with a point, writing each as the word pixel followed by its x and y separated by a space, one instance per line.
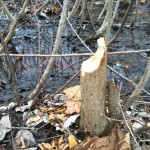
pixel 93 91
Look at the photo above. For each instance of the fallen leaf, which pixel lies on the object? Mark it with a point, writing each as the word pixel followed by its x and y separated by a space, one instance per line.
pixel 61 117
pixel 73 102
pixel 23 145
pixel 45 109
pixel 33 119
pixel 45 146
pixel 2 148
pixel 72 142
pixel 24 136
pixel 69 121
pixel 51 117
pixel 77 107
pixel 73 92
pixel 73 106
pixel 142 1
pixel 125 142
pixel 61 110
pixel 22 108
pixel 61 139
pixel 4 123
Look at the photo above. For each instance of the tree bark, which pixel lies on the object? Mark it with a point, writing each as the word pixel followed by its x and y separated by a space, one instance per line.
pixel 93 91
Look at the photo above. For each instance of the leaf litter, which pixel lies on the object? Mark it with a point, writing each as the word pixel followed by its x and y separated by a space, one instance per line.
pixel 60 118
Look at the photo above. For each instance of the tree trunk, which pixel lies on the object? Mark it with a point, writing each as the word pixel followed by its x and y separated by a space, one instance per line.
pixel 93 91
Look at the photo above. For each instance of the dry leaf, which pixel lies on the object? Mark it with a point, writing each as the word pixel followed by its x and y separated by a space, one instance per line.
pixel 77 107
pixel 2 148
pixel 103 143
pixel 73 102
pixel 70 107
pixel 72 141
pixel 73 106
pixel 23 145
pixel 61 110
pixel 125 142
pixel 69 121
pixel 142 1
pixel 55 143
pixel 73 92
pixel 45 109
pixel 24 136
pixel 61 140
pixel 61 117
pixel 45 146
pixel 64 147
pixel 51 117
pixel 33 119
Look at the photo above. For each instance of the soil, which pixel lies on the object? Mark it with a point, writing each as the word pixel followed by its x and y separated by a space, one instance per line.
pixel 31 38
pixel 37 34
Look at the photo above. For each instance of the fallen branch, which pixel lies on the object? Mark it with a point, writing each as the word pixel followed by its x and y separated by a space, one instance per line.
pixel 73 55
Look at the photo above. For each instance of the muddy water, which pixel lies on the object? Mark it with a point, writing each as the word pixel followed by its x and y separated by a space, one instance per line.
pixel 30 38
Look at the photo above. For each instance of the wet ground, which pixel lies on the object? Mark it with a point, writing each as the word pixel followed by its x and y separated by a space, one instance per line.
pixel 37 35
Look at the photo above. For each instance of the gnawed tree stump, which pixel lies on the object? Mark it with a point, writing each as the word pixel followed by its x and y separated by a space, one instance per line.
pixel 94 117
pixel 93 91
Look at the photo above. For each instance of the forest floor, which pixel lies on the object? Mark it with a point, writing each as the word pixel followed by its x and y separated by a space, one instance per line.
pixel 36 35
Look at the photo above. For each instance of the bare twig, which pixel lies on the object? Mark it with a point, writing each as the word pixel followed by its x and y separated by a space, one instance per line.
pixel 129 128
pixel 13 27
pixel 136 93
pixel 73 55
pixel 115 10
pixel 130 81
pixel 89 15
pixel 68 82
pixel 10 16
pixel 75 8
pixel 109 19
pixel 123 22
pixel 56 47
pixel 82 13
pixel 13 77
pixel 75 31
pixel 12 137
pixel 102 12
pixel 48 83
